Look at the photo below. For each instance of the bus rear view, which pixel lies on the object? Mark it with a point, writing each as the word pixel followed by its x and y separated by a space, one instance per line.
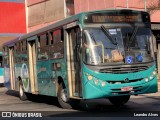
pixel 118 57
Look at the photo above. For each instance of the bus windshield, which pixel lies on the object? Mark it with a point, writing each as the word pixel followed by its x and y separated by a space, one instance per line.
pixel 116 45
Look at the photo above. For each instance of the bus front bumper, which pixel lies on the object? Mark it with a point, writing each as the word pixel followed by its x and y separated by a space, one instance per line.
pixel 92 91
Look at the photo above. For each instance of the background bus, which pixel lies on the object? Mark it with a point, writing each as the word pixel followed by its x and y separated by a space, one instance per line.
pixel 100 54
pixel 1 70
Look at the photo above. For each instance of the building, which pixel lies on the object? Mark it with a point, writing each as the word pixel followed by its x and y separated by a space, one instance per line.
pixel 12 13
pixel 40 13
pixel 36 14
pixel 151 6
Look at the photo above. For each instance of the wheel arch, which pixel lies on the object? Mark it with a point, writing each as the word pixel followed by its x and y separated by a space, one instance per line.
pixel 59 81
pixel 20 80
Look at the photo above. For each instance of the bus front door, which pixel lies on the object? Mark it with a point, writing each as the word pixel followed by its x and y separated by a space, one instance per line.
pixel 32 65
pixel 11 66
pixel 73 61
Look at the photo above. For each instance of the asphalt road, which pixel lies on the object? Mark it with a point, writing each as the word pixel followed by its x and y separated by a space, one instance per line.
pixel 48 106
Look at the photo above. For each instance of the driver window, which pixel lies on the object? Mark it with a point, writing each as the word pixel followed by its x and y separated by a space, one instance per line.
pixel 90 49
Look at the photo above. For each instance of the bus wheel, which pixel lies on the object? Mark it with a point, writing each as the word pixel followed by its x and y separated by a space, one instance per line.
pixel 62 97
pixel 75 103
pixel 22 94
pixel 119 100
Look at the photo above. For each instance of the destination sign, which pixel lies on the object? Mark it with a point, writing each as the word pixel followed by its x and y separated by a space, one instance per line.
pixel 111 18
pixel 116 18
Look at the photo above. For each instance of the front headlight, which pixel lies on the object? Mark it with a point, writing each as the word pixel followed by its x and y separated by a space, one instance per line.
pixel 103 84
pixel 95 80
pixel 154 73
pixel 90 77
pixel 146 79
pixel 151 77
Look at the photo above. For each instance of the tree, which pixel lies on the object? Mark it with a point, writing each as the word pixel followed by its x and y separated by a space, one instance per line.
pixel 152 5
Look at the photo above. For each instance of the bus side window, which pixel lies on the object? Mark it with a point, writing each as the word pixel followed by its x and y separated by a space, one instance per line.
pixel 57 47
pixel 24 51
pixel 24 45
pixel 15 52
pixel 5 51
pixel 57 36
pixel 51 37
pixel 43 49
pixel 43 40
pixel 18 52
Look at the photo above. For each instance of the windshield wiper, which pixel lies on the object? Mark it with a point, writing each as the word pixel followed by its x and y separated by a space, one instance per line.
pixel 127 42
pixel 133 36
pixel 108 35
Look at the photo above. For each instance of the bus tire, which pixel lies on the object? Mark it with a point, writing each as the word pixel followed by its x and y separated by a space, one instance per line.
pixel 62 97
pixel 22 94
pixel 119 100
pixel 75 103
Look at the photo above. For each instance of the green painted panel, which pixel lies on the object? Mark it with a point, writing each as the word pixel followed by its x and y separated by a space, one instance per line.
pixel 112 89
pixel 43 76
pixel 22 70
pixel 47 76
pixel 1 71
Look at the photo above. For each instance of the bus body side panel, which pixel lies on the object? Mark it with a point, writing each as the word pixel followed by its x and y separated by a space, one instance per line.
pixel 22 71
pixel 141 86
pixel 7 82
pixel 49 70
pixel 48 76
pixel 17 74
pixel 44 75
pixel 57 73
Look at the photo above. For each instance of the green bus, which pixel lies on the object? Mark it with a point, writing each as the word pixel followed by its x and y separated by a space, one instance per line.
pixel 99 54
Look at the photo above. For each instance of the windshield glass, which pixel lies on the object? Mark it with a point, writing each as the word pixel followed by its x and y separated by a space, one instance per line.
pixel 116 45
pixel 137 44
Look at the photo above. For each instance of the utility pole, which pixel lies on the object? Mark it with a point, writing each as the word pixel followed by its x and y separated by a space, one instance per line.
pixel 127 4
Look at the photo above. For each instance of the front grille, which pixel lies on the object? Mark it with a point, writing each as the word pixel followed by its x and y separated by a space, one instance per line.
pixel 123 70
pixel 123 81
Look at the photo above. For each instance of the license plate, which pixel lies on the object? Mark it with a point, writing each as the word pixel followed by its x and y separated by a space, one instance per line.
pixel 129 88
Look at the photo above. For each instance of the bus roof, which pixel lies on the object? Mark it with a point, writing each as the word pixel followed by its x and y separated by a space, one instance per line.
pixel 9 43
pixel 64 22
pixel 52 26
